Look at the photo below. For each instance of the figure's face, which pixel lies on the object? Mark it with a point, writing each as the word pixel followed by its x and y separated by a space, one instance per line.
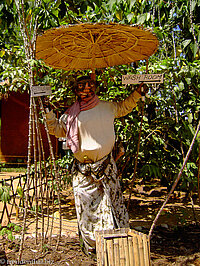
pixel 85 89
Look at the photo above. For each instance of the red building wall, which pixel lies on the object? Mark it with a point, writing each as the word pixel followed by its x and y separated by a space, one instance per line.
pixel 14 129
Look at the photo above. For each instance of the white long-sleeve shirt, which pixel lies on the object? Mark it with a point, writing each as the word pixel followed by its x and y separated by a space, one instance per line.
pixel 95 127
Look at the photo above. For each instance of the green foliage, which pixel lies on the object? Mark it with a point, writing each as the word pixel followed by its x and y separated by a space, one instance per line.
pixel 4 192
pixel 20 192
pixel 63 166
pixel 34 208
pixel 9 230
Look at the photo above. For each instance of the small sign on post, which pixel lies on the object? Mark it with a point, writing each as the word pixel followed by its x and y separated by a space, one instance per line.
pixel 37 91
pixel 142 78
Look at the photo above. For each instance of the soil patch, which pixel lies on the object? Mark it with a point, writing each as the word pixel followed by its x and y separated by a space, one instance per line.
pixel 175 239
pixel 179 246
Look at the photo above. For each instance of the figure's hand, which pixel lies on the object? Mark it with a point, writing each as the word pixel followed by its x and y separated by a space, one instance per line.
pixel 142 89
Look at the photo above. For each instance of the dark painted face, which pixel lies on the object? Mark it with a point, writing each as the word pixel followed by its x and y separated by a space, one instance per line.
pixel 85 89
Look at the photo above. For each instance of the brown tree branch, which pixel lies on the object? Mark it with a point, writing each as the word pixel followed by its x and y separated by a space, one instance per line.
pixel 176 181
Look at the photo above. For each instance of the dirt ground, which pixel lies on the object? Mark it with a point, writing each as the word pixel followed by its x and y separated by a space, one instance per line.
pixel 175 239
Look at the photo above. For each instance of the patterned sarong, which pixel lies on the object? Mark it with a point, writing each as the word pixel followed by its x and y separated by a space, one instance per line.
pixel 98 199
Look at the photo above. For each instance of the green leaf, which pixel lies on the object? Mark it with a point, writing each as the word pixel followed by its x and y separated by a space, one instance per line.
pixel 181 85
pixel 119 14
pixel 3 231
pixel 141 19
pixel 130 16
pixel 10 236
pixel 111 3
pixel 1 191
pixel 20 192
pixel 148 15
pixel 186 43
pixel 188 80
pixel 195 49
pixel 193 4
pixel 5 197
pixel 2 53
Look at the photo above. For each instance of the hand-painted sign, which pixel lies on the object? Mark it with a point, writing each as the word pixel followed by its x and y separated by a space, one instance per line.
pixel 142 78
pixel 37 91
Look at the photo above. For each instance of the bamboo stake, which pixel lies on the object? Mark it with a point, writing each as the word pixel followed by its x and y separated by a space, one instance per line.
pixel 48 209
pixel 176 181
pixel 39 169
pixel 136 159
pixel 105 253
pixel 141 250
pixel 116 251
pixel 46 185
pixel 35 180
pixel 121 252
pixel 98 248
pixel 110 252
pixel 130 247
pixel 26 30
pixel 22 28
pixel 55 170
pixel 52 193
pixel 30 53
pixel 135 249
pixel 192 26
pixel 138 146
pixel 146 250
pixel 37 4
pixel 126 251
pixel 153 16
pixel 28 178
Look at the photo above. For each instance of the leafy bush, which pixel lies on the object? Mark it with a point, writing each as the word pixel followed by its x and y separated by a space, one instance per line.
pixel 9 230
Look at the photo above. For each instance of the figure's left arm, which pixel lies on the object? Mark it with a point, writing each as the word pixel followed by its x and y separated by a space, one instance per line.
pixel 124 107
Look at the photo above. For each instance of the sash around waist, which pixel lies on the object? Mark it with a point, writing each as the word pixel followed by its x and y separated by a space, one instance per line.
pixel 95 169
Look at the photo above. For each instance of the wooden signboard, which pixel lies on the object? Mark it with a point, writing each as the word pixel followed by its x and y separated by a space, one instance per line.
pixel 139 78
pixel 37 91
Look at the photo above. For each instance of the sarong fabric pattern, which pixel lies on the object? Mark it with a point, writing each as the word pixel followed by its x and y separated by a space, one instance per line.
pixel 98 199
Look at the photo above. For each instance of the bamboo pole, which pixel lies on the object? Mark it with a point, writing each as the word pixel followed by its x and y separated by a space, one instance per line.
pixel 39 170
pixel 136 249
pixel 35 178
pixel 48 205
pixel 109 243
pixel 121 252
pixel 46 190
pixel 138 146
pixel 22 28
pixel 192 25
pixel 141 249
pixel 52 195
pixel 136 159
pixel 130 247
pixel 30 52
pixel 146 250
pixel 176 181
pixel 126 251
pixel 98 248
pixel 55 170
pixel 28 178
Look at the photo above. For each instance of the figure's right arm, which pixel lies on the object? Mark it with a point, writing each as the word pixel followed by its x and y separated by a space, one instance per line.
pixel 56 126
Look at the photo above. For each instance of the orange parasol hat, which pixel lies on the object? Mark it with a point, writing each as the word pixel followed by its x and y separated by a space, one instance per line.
pixel 91 46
